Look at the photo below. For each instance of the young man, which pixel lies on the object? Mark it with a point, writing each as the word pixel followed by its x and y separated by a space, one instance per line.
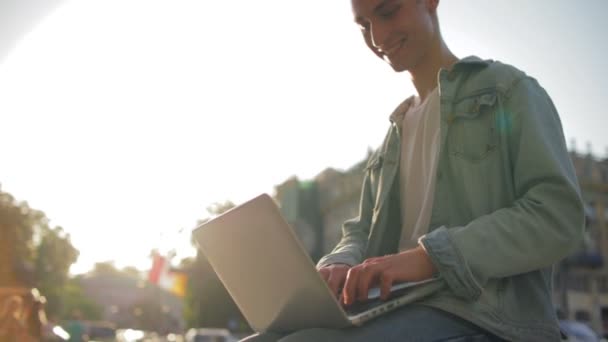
pixel 473 183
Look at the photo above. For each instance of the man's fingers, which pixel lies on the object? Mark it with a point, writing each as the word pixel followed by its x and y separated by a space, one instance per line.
pixel 334 276
pixel 370 260
pixel 386 282
pixel 367 277
pixel 335 281
pixel 350 285
pixel 374 259
pixel 325 272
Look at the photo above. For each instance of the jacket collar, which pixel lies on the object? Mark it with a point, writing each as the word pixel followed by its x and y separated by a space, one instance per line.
pixel 470 61
pixel 397 116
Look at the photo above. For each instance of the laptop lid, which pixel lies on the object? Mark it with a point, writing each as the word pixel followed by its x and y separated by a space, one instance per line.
pixel 266 270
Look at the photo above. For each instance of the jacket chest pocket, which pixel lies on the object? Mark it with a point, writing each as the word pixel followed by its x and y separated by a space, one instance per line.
pixel 472 132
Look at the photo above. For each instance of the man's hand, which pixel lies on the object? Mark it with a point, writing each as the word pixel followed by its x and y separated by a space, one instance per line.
pixel 334 275
pixel 411 265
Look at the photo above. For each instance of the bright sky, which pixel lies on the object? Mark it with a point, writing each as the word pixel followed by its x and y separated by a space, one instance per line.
pixel 123 120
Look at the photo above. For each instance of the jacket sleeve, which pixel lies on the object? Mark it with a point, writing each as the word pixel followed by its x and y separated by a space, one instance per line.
pixel 355 232
pixel 542 226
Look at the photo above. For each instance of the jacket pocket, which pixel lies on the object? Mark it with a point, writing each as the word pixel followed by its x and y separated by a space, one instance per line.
pixel 472 132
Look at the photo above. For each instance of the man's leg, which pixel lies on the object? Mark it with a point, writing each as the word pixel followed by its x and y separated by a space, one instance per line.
pixel 420 324
pixel 263 337
pixel 411 323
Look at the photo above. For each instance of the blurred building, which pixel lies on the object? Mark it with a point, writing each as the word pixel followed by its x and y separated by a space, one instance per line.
pixel 317 208
pixel 581 286
pixel 129 302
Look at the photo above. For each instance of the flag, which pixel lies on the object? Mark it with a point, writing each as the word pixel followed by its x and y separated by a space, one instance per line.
pixel 172 280
pixel 159 266
pixel 179 283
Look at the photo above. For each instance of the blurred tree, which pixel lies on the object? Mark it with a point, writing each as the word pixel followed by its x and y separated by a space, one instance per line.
pixel 18 224
pixel 32 254
pixel 132 271
pixel 186 263
pixel 54 256
pixel 219 208
pixel 105 267
pixel 207 303
pixel 74 299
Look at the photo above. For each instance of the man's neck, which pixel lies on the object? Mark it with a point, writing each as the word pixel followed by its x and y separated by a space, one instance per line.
pixel 424 76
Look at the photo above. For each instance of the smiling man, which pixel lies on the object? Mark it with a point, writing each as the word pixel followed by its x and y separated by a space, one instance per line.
pixel 472 184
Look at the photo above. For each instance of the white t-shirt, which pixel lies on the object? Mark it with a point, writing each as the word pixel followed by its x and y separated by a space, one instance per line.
pixel 419 155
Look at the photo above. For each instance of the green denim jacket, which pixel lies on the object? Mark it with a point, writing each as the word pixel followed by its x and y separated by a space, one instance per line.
pixel 507 202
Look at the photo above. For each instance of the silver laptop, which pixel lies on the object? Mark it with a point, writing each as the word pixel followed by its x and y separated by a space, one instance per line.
pixel 273 281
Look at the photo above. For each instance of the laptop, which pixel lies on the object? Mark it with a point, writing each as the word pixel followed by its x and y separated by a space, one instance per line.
pixel 272 279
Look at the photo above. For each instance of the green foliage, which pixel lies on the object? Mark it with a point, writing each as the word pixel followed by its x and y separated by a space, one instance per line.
pixel 105 267
pixel 55 254
pixel 74 300
pixel 18 224
pixel 131 271
pixel 220 208
pixel 32 254
pixel 186 263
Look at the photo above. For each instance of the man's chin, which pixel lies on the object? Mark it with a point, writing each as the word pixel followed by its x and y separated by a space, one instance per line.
pixel 398 67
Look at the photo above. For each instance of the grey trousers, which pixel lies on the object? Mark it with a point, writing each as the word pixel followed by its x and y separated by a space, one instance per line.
pixel 415 323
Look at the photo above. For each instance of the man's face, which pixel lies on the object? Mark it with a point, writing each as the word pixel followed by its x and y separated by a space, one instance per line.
pixel 398 31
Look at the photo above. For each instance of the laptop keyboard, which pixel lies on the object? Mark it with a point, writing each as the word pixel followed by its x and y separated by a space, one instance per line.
pixel 359 307
pixel 396 291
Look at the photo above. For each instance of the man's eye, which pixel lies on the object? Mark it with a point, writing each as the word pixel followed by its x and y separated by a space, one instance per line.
pixel 389 12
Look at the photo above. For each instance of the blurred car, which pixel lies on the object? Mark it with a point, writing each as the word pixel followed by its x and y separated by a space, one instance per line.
pixel 101 331
pixel 209 335
pixel 578 331
pixel 54 333
pixel 134 335
pixel 173 338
